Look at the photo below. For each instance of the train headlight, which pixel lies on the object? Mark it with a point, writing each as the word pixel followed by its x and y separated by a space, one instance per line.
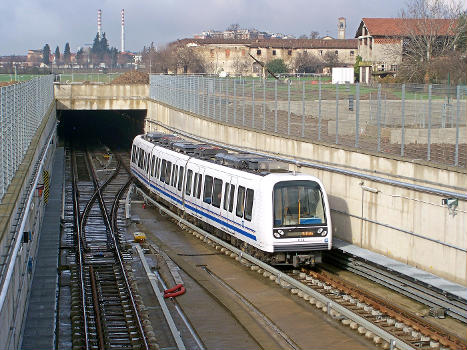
pixel 324 233
pixel 276 235
pixel 320 230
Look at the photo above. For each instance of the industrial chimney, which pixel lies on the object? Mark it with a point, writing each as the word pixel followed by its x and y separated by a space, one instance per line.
pixel 123 31
pixel 99 23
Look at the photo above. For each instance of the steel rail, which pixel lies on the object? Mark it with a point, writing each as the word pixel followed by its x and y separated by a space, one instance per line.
pixel 77 225
pixel 425 294
pixel 107 221
pixel 391 339
pixel 379 179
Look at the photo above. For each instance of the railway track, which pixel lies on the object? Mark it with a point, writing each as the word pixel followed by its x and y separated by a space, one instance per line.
pixel 388 326
pixel 105 310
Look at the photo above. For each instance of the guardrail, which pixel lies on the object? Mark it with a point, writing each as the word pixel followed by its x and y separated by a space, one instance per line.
pixel 424 122
pixel 22 109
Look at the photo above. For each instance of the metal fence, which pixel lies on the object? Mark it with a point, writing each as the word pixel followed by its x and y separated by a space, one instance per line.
pixel 22 108
pixel 425 122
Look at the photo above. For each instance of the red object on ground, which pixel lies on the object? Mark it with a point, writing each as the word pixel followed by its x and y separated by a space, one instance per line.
pixel 173 292
pixel 144 205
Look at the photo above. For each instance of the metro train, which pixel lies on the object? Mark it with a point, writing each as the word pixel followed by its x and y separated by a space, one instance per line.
pixel 255 203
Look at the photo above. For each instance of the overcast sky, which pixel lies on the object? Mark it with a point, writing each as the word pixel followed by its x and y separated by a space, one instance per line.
pixel 29 24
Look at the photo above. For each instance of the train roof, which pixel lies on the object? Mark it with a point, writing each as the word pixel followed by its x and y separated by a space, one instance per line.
pixel 242 161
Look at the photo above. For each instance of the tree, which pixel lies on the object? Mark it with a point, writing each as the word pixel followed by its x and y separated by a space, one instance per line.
pixel 307 63
pixel 356 68
pixel 46 54
pixel 240 65
pixel 57 55
pixel 67 54
pixel 314 35
pixel 234 27
pixel 432 33
pixel 277 66
pixel 303 36
pixel 331 59
pixel 188 61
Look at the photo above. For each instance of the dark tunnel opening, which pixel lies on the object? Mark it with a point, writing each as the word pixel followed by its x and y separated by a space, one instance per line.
pixel 116 129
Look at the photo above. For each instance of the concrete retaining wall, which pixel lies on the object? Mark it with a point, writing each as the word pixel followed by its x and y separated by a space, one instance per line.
pixel 101 97
pixel 410 226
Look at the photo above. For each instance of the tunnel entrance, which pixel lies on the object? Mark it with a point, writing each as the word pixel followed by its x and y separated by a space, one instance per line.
pixel 115 128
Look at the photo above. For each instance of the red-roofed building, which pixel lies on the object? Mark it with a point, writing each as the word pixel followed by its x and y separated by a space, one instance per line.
pixel 381 41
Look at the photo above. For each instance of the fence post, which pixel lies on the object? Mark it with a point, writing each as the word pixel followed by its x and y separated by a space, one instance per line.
pixel 235 100
pixel 458 112
pixel 288 108
pixel 428 154
pixel 226 100
pixel 337 113
pixel 208 97
pixel 319 109
pixel 357 114
pixel 303 108
pixel 275 105
pixel 243 99
pixel 264 104
pixel 402 120
pixel 378 117
pixel 253 104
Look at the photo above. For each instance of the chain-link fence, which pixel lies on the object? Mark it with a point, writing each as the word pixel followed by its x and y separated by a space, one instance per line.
pixel 22 108
pixel 425 122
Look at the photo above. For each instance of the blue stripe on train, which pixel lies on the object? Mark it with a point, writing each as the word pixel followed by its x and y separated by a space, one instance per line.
pixel 209 216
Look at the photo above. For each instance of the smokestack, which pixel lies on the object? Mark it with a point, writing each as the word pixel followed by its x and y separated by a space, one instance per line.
pixel 123 31
pixel 99 23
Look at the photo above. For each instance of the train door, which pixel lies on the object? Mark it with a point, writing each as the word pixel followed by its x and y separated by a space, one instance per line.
pixel 192 190
pixel 228 203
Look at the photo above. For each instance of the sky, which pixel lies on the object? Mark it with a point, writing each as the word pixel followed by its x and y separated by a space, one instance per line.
pixel 30 24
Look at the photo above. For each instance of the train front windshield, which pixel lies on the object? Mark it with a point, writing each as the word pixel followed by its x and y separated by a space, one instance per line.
pixel 298 203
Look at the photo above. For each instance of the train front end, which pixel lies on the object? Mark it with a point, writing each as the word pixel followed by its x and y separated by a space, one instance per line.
pixel 301 220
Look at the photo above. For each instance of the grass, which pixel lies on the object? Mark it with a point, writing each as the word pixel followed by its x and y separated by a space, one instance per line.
pixel 19 77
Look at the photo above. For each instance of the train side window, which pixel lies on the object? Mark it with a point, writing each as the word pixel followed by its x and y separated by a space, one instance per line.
pixel 217 193
pixel 174 175
pixel 140 158
pixel 240 201
pixel 195 186
pixel 189 179
pixel 153 165
pixel 207 193
pixel 133 151
pixel 163 166
pixel 226 195
pixel 145 161
pixel 180 178
pixel 231 200
pixel 249 203
pixel 198 188
pixel 156 172
pixel 168 172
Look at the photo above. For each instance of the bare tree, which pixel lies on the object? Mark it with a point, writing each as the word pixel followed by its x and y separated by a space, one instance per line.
pixel 430 33
pixel 331 59
pixel 234 27
pixel 314 35
pixel 187 60
pixel 307 63
pixel 240 65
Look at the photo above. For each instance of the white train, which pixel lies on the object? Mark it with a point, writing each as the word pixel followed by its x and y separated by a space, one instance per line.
pixel 255 203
